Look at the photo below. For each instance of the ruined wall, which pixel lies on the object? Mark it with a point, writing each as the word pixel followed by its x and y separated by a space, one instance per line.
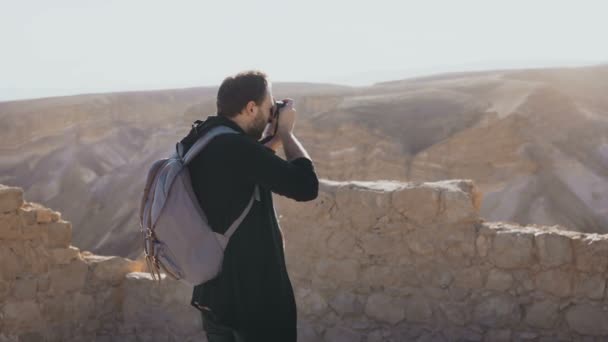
pixel 51 291
pixel 387 261
pixel 370 261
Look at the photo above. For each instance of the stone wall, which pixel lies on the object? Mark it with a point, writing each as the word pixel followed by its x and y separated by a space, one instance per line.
pixel 388 261
pixel 370 261
pixel 51 291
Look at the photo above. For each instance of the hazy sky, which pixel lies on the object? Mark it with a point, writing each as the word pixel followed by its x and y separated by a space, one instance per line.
pixel 64 47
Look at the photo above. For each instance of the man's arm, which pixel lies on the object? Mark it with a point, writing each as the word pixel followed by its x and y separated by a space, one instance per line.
pixel 293 148
pixel 251 160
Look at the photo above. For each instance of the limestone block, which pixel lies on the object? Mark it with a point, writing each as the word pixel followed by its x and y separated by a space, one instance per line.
pixel 588 319
pixel 418 309
pixel 12 263
pixel 11 198
pixel 60 234
pixel 384 308
pixel 512 249
pixel 555 282
pixel 35 231
pixel 380 244
pixel 483 245
pixel 27 212
pixel 591 286
pixel 24 288
pixel 10 226
pixel 341 243
pixel 543 314
pixel 342 334
pixel 22 314
pixel 497 311
pixel 458 240
pixel 468 278
pixel 340 271
pixel 149 305
pixel 64 256
pixel 420 204
pixel 457 313
pixel 311 302
pixel 111 269
pixel 379 276
pixel 5 289
pixel 422 242
pixel 591 252
pixel 360 206
pixel 553 249
pixel 499 280
pixel 68 278
pixel 307 332
pixel 46 215
pixel 345 303
pixel 458 205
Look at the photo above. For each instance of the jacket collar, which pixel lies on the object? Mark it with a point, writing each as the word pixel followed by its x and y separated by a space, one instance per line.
pixel 200 127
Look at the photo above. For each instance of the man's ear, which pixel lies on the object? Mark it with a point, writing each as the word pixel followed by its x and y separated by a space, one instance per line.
pixel 250 107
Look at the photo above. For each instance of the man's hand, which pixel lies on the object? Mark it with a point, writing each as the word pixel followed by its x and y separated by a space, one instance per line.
pixel 287 118
pixel 275 143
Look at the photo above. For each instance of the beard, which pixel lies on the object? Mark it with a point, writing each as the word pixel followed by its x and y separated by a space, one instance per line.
pixel 257 126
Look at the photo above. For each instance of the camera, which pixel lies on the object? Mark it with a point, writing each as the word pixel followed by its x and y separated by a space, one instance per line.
pixel 277 107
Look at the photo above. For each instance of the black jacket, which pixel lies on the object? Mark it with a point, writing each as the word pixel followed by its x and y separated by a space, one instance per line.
pixel 253 293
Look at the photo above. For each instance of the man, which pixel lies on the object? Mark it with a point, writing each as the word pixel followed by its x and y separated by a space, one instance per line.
pixel 252 298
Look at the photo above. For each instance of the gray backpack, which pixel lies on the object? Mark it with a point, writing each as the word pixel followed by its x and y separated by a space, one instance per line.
pixel 177 236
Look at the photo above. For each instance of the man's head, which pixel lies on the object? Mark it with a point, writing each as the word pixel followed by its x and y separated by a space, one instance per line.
pixel 246 98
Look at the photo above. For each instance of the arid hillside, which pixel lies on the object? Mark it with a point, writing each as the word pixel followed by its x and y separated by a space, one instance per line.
pixel 535 142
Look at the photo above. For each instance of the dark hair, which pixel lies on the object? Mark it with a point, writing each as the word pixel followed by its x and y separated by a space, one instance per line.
pixel 236 91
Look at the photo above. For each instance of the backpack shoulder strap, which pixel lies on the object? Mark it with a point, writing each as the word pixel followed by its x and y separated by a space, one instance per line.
pixel 223 238
pixel 202 142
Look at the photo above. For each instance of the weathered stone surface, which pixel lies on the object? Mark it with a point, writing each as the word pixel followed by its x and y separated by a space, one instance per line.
pixel 555 282
pixel 497 311
pixel 553 249
pixel 10 226
pixel 421 242
pixel 69 278
pixel 498 335
pixel 590 286
pixel 145 302
pixel 384 308
pixel 457 313
pixel 418 309
pixel 63 256
pixel 25 288
pixel 46 215
pixel 468 278
pixel 311 302
pixel 345 303
pixel 338 270
pixel 60 234
pixel 341 243
pixel 588 319
pixel 377 275
pixel 542 314
pixel 591 253
pixel 512 249
pixel 499 280
pixel 420 204
pixel 111 269
pixel 22 314
pixel 11 198
pixel 459 203
pixel 376 244
pixel 342 334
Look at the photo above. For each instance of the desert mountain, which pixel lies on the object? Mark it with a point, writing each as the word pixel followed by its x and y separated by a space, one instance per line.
pixel 535 142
